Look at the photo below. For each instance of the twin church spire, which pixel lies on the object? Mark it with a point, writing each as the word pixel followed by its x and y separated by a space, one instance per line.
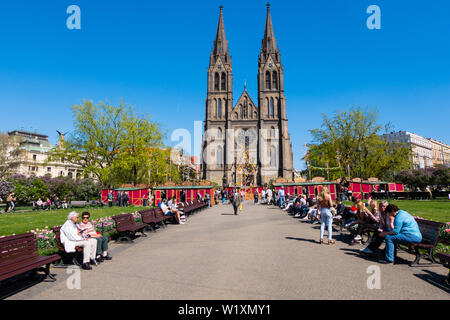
pixel 269 42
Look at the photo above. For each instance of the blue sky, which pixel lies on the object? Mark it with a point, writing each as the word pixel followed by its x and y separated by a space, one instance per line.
pixel 155 56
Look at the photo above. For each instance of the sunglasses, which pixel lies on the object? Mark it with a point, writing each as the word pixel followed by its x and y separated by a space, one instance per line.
pixel 85 218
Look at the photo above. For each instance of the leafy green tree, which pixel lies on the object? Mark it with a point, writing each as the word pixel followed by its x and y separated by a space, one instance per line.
pixel 111 142
pixel 350 141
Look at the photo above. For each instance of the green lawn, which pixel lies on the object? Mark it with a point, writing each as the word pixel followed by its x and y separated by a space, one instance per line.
pixel 437 210
pixel 24 222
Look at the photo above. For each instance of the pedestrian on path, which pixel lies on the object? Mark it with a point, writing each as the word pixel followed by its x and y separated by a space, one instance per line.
pixel 236 201
pixel 325 204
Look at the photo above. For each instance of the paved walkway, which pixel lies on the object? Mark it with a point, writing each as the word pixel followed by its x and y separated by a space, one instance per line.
pixel 261 254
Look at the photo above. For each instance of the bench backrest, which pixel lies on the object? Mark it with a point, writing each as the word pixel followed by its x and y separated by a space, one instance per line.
pixel 147 215
pixel 57 232
pixel 123 221
pixel 17 248
pixel 429 230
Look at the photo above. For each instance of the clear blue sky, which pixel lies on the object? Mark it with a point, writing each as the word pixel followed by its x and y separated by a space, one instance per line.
pixel 155 56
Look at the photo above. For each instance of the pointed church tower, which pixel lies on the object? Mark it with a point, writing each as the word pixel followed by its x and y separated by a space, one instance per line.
pixel 275 148
pixel 219 103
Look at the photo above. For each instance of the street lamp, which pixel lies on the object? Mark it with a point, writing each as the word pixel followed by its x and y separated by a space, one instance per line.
pixel 360 171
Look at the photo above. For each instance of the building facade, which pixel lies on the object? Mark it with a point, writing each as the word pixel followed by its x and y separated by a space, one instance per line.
pixel 440 153
pixel 249 132
pixel 421 147
pixel 34 160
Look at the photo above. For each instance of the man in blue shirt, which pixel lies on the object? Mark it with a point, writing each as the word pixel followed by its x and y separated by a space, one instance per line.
pixel 406 230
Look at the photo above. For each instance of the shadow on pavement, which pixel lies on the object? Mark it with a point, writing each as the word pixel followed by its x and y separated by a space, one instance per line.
pixel 227 214
pixel 17 284
pixel 301 239
pixel 435 279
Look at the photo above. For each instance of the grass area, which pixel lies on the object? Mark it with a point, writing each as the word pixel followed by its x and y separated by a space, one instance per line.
pixel 437 210
pixel 24 222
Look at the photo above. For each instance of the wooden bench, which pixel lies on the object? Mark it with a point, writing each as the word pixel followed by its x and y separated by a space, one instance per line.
pixel 19 254
pixel 150 219
pixel 160 215
pixel 430 238
pixel 78 204
pixel 67 259
pixel 445 260
pixel 127 227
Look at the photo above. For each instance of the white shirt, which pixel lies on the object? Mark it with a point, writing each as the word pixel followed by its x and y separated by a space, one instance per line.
pixel 303 201
pixel 69 236
pixel 164 207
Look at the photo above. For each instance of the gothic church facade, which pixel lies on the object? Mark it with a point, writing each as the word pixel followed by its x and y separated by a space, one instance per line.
pixel 251 131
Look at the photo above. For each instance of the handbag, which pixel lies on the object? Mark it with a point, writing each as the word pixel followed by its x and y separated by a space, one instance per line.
pixel 240 207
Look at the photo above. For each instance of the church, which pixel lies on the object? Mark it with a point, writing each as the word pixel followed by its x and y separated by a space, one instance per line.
pixel 246 144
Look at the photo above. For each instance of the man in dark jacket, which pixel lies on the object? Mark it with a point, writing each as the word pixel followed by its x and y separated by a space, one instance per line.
pixel 236 201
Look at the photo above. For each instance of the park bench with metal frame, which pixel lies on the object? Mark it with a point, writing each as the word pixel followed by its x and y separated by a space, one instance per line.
pixel 19 254
pixel 430 238
pixel 78 204
pixel 127 227
pixel 150 219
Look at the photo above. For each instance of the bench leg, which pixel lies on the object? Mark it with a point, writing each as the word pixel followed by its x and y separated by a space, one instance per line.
pixel 143 233
pixel 417 259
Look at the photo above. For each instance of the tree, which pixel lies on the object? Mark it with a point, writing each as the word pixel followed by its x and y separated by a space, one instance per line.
pixel 11 155
pixel 351 139
pixel 111 142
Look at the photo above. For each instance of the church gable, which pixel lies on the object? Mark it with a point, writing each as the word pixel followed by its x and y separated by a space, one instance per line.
pixel 245 108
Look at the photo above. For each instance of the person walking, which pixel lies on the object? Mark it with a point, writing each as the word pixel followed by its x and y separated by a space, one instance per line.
pixel 236 201
pixel 208 199
pixel 256 195
pixel 325 204
pixel 110 199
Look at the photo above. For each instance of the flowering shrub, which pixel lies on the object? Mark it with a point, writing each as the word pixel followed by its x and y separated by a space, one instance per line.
pixel 104 225
pixel 46 239
pixel 444 234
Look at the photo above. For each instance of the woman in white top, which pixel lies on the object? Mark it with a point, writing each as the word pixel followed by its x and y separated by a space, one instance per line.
pixel 71 238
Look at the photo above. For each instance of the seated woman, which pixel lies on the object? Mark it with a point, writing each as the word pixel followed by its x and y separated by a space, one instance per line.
pixel 39 204
pixel 170 212
pixel 367 219
pixel 88 231
pixel 71 238
pixel 386 225
pixel 48 204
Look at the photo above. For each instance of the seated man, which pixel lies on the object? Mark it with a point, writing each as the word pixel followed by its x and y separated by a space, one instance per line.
pixel 71 238
pixel 170 212
pixel 406 230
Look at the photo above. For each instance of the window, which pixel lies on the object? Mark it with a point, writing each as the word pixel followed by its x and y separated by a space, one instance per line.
pixel 49 169
pixel 34 157
pixel 272 132
pixel 272 109
pixel 216 81
pixel 219 156
pixel 219 108
pixel 224 81
pixel 268 80
pixel 273 154
pixel 219 134
pixel 275 80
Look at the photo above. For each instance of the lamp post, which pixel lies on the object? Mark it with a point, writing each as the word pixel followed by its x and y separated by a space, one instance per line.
pixel 360 171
